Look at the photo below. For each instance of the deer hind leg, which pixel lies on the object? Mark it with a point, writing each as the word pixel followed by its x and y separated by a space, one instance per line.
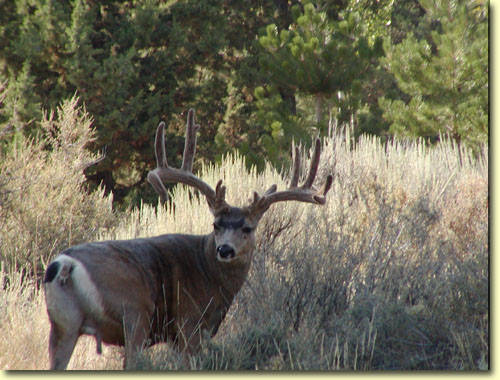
pixel 64 332
pixel 61 346
pixel 64 311
pixel 136 325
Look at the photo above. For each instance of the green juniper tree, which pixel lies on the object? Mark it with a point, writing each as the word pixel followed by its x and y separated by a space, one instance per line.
pixel 444 76
pixel 241 128
pixel 259 73
pixel 322 61
pixel 131 63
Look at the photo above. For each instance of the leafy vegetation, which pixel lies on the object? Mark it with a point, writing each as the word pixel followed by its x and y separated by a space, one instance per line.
pixel 259 74
pixel 445 76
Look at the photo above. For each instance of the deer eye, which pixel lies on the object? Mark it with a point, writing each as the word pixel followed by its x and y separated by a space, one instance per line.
pixel 246 230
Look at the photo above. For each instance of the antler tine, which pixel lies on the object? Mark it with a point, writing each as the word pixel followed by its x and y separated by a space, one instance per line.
pixel 164 173
pixel 190 142
pixel 314 165
pixel 157 184
pixel 321 199
pixel 304 193
pixel 220 196
pixel 161 156
pixel 161 162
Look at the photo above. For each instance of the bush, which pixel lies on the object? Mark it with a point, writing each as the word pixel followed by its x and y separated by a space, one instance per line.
pixel 392 273
pixel 44 204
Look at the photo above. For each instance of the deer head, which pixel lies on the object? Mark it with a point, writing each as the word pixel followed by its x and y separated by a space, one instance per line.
pixel 234 227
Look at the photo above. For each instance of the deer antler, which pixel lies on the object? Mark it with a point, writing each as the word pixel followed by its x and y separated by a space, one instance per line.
pixel 304 193
pixel 164 173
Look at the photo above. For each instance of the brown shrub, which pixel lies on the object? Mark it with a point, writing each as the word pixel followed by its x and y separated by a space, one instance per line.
pixel 44 205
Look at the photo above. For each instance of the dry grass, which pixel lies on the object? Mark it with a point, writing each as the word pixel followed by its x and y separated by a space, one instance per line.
pixel 391 274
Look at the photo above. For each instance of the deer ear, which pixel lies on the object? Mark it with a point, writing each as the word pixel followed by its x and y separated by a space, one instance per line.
pixel 257 207
pixel 218 204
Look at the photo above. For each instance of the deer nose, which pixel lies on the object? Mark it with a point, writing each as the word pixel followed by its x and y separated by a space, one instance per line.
pixel 225 251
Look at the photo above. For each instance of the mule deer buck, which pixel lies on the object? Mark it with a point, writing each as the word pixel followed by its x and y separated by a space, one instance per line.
pixel 136 293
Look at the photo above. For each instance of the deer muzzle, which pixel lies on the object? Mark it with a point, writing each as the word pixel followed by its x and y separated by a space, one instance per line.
pixel 225 252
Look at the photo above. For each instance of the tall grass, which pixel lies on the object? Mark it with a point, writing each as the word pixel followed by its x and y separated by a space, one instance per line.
pixel 392 273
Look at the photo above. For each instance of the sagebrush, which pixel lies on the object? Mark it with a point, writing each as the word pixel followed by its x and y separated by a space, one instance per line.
pixel 391 274
pixel 44 203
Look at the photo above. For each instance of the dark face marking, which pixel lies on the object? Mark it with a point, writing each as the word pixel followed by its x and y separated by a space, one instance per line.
pixel 232 218
pixel 230 223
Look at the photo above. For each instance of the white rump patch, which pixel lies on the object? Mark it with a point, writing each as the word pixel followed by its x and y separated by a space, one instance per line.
pixel 84 288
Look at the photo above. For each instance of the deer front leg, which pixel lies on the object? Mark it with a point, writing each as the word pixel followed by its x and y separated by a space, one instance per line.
pixel 136 326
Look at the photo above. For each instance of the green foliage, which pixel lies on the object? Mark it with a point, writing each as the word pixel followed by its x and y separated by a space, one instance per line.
pixel 20 107
pixel 318 56
pixel 308 67
pixel 281 127
pixel 444 77
pixel 131 63
pixel 134 63
pixel 375 15
pixel 407 17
